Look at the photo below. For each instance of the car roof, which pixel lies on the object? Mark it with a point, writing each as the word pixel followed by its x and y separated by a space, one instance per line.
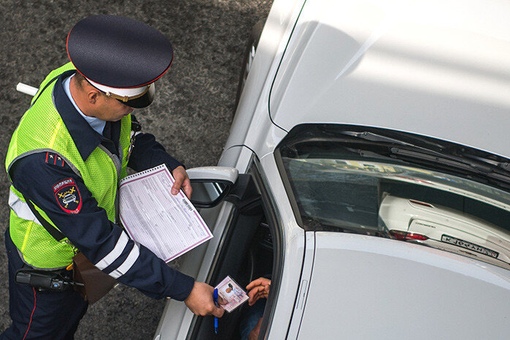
pixel 435 68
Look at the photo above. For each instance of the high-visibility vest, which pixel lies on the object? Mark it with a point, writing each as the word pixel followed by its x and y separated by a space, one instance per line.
pixel 42 129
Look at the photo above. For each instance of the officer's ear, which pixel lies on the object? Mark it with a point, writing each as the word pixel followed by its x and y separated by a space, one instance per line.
pixel 86 91
pixel 93 95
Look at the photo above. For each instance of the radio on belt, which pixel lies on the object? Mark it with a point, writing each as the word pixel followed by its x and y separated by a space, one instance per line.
pixel 44 280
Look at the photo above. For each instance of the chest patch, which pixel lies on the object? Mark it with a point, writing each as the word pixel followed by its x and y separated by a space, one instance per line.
pixel 68 196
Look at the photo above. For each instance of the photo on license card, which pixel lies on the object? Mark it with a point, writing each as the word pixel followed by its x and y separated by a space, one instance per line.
pixel 232 293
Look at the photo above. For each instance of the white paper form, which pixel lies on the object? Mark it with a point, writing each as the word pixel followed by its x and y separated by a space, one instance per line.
pixel 166 224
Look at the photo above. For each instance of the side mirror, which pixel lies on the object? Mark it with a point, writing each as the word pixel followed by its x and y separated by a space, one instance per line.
pixel 211 184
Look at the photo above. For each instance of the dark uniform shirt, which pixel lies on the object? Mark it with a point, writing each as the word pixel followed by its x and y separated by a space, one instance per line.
pixel 90 230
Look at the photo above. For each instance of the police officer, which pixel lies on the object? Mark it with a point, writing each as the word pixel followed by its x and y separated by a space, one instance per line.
pixel 76 141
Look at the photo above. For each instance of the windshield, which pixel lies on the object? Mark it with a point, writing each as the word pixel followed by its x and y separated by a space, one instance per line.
pixel 346 179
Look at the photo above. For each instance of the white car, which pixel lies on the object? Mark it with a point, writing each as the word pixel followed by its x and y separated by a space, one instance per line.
pixel 345 103
pixel 444 228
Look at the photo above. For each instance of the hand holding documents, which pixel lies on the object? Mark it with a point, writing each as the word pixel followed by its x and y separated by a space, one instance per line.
pixel 169 225
pixel 232 293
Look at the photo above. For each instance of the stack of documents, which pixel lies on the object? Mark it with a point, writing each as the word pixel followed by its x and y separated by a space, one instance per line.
pixel 169 225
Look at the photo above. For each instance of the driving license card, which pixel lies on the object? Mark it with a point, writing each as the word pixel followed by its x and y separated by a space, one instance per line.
pixel 232 293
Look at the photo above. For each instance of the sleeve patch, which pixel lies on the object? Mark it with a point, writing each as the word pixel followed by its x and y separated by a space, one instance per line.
pixel 68 196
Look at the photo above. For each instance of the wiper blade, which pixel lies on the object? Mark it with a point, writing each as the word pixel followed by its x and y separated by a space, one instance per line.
pixel 443 160
pixel 373 137
pixel 470 166
pixel 502 165
pixel 431 153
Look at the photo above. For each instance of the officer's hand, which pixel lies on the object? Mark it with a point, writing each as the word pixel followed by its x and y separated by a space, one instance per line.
pixel 200 301
pixel 181 182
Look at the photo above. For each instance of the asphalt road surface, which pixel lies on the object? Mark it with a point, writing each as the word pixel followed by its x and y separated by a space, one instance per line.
pixel 190 116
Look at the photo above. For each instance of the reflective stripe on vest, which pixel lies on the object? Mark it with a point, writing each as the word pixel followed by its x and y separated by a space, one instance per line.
pixel 21 208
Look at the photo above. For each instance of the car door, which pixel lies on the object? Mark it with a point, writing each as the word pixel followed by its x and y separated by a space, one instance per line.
pixel 235 256
pixel 244 225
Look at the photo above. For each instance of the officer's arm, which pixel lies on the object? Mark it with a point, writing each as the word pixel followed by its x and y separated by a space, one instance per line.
pixel 147 152
pixel 87 226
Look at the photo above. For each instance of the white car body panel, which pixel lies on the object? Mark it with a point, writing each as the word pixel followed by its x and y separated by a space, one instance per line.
pixel 293 252
pixel 378 292
pixel 252 125
pixel 427 67
pixel 430 68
